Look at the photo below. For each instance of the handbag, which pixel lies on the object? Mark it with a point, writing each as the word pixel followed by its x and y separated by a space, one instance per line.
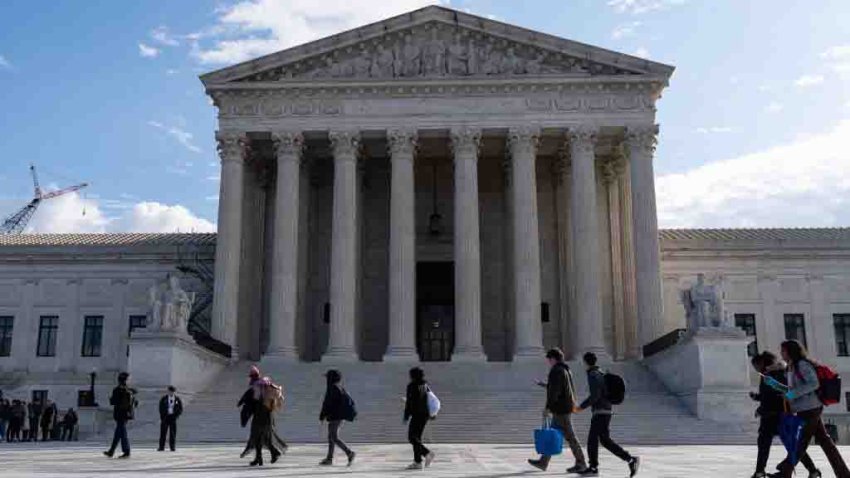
pixel 548 440
pixel 790 432
pixel 433 403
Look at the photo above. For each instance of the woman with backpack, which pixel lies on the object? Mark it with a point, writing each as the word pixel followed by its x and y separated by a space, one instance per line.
pixel 803 400
pixel 265 397
pixel 336 407
pixel 417 412
pixel 769 411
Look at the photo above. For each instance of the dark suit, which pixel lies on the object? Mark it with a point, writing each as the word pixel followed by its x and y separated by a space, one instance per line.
pixel 168 421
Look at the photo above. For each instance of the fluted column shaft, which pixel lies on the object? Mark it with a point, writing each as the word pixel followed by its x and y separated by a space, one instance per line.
pixel 467 263
pixel 522 143
pixel 232 148
pixel 582 141
pixel 633 345
pixel 402 320
pixel 640 143
pixel 284 295
pixel 617 288
pixel 342 340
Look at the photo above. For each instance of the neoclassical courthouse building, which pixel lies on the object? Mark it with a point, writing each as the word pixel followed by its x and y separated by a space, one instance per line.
pixel 435 186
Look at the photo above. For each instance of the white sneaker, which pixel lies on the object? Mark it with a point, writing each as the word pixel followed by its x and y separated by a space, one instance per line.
pixel 414 466
pixel 428 459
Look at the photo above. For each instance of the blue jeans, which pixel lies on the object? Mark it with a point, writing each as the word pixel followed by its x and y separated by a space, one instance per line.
pixel 120 434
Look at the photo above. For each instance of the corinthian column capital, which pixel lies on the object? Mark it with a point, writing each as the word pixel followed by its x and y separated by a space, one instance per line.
pixel 641 139
pixel 232 146
pixel 523 139
pixel 466 142
pixel 345 144
pixel 288 144
pixel 402 142
pixel 582 139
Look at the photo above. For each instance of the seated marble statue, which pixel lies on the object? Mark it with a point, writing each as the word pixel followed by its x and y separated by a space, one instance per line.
pixel 703 305
pixel 170 306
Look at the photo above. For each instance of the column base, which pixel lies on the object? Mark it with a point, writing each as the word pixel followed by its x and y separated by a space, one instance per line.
pixel 401 354
pixel 340 355
pixel 475 354
pixel 281 355
pixel 526 354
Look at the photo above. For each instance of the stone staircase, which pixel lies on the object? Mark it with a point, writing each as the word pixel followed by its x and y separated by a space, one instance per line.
pixel 482 403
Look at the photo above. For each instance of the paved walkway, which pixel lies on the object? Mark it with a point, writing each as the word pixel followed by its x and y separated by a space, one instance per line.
pixel 496 461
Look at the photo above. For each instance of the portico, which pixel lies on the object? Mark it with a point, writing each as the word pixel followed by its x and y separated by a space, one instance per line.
pixel 341 157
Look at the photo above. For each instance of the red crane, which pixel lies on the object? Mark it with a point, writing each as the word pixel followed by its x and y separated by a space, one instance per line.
pixel 16 223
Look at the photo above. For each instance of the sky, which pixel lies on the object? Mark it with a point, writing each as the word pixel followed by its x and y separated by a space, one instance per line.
pixel 755 125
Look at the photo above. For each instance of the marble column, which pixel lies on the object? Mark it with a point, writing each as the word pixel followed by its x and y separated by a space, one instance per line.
pixel 522 144
pixel 612 186
pixel 283 303
pixel 402 320
pixel 565 281
pixel 585 213
pixel 640 143
pixel 342 337
pixel 633 345
pixel 232 148
pixel 467 261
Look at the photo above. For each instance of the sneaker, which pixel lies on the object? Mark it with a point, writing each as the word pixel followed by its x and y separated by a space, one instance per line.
pixel 414 466
pixel 326 462
pixel 537 464
pixel 634 465
pixel 590 471
pixel 108 454
pixel 576 469
pixel 428 459
pixel 759 474
pixel 351 458
pixel 815 474
pixel 125 455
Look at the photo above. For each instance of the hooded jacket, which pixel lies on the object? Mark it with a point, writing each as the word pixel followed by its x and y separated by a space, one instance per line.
pixel 597 401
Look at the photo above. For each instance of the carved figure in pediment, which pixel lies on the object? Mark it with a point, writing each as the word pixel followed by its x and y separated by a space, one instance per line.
pixel 434 56
pixel 346 67
pixel 362 65
pixel 512 64
pixel 491 60
pixel 411 57
pixel 383 65
pixel 473 60
pixel 458 57
pixel 534 66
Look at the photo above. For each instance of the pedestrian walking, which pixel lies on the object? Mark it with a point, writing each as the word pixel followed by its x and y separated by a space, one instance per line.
pixel 417 412
pixel 802 395
pixel 266 398
pixel 560 402
pixel 769 411
pixel 69 425
pixel 600 422
pixel 123 403
pixel 170 409
pixel 336 407
pixel 47 420
pixel 248 404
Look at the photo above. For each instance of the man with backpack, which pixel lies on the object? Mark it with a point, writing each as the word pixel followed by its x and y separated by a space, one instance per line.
pixel 600 403
pixel 336 407
pixel 560 402
pixel 123 403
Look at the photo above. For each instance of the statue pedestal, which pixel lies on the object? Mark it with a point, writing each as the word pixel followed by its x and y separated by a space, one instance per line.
pixel 93 421
pixel 708 370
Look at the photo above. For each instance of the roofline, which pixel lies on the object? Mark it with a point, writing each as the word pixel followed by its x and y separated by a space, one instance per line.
pixel 422 15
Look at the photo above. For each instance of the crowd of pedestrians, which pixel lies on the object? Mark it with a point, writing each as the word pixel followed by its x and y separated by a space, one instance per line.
pixel 22 421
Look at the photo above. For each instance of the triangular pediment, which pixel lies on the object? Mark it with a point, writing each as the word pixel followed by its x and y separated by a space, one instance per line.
pixel 433 43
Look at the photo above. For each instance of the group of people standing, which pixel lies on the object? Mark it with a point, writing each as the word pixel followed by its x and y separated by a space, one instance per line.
pixel 21 421
pixel 789 385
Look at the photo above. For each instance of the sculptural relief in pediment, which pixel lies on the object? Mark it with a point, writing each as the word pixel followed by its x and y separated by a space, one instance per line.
pixel 433 51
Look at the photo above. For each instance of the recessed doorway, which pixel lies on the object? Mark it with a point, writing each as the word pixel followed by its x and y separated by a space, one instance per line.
pixel 435 316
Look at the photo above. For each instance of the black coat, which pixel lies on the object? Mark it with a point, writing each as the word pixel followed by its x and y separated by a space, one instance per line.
pixel 123 402
pixel 247 403
pixel 416 403
pixel 771 402
pixel 333 406
pixel 559 390
pixel 163 407
pixel 597 401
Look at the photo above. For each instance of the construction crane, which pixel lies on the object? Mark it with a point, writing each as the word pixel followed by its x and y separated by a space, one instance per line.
pixel 16 223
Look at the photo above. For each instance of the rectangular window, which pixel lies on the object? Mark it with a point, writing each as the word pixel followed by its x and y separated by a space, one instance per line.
pixel 48 328
pixel 795 328
pixel 842 333
pixel 137 322
pixel 6 324
pixel 747 323
pixel 92 335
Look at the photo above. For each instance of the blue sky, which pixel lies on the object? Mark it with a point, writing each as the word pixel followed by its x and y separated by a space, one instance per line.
pixel 755 124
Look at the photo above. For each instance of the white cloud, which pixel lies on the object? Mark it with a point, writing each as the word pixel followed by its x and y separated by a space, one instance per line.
pixel 803 183
pixel 714 129
pixel 641 52
pixel 162 36
pixel 838 58
pixel 148 51
pixel 212 198
pixel 637 7
pixel 72 213
pixel 809 80
pixel 250 28
pixel 4 63
pixel 214 178
pixel 182 136
pixel 624 30
pixel 774 107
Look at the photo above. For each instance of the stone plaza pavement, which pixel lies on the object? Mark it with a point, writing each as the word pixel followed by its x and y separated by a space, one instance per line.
pixel 497 461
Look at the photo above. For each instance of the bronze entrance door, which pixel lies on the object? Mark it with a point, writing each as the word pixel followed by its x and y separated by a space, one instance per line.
pixel 435 319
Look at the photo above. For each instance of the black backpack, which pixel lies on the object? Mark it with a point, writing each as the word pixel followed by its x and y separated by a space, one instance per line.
pixel 349 411
pixel 615 388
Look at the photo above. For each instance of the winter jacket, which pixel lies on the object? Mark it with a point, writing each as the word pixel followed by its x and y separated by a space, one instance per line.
pixel 560 398
pixel 771 401
pixel 163 407
pixel 123 401
pixel 803 383
pixel 416 403
pixel 597 400
pixel 333 404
